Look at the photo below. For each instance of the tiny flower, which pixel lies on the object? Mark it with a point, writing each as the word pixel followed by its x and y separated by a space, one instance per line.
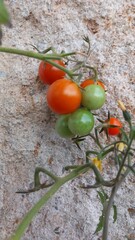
pixel 120 146
pixel 98 163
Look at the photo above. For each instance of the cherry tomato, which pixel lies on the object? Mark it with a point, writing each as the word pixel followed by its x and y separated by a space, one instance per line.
pixel 48 73
pixel 81 122
pixel 62 128
pixel 93 97
pixel 115 122
pixel 64 96
pixel 88 82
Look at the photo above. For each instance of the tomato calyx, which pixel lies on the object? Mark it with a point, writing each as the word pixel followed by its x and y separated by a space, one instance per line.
pixel 111 126
pixel 77 140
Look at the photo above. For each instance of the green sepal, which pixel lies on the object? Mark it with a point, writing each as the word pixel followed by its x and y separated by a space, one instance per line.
pixel 127 116
pixel 115 213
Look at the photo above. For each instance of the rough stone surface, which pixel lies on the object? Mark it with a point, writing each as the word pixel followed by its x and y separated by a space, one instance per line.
pixel 27 135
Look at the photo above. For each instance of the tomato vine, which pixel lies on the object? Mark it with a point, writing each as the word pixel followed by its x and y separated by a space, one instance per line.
pixel 75 103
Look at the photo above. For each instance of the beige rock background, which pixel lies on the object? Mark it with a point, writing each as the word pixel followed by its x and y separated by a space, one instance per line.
pixel 27 135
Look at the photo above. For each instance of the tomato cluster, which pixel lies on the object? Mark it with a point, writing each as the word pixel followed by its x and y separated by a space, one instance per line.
pixel 72 102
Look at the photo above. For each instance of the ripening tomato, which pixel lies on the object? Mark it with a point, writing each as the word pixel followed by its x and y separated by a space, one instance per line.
pixel 62 128
pixel 48 73
pixel 81 122
pixel 114 130
pixel 88 82
pixel 64 96
pixel 93 97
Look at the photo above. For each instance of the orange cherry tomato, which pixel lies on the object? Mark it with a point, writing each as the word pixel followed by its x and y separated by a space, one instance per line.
pixel 114 130
pixel 48 73
pixel 64 96
pixel 91 81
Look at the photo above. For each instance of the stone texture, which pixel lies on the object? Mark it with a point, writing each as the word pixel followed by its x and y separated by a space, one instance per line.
pixel 27 135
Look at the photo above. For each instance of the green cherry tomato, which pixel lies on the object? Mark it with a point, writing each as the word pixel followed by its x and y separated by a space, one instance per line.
pixel 81 122
pixel 61 126
pixel 93 97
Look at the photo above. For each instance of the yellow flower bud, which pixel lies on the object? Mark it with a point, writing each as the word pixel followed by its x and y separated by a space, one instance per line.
pixel 120 146
pixel 98 163
pixel 121 105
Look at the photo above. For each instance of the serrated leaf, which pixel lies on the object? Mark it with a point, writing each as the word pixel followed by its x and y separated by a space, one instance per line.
pixel 4 15
pixel 100 224
pixel 0 36
pixel 86 39
pixel 103 196
pixel 115 213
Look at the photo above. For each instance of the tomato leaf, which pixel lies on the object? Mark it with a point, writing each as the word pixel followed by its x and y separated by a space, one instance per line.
pixel 103 196
pixel 115 213
pixel 0 36
pixel 100 224
pixel 4 15
pixel 86 39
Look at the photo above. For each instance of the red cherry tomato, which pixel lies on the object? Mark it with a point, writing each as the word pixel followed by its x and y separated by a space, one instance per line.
pixel 48 73
pixel 88 82
pixel 114 122
pixel 64 96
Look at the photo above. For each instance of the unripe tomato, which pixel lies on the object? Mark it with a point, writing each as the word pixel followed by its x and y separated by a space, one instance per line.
pixel 114 122
pixel 93 97
pixel 88 82
pixel 64 96
pixel 62 128
pixel 81 122
pixel 48 73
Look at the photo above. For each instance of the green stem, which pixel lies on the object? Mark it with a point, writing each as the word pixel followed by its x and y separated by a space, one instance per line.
pixel 97 138
pixel 124 159
pixel 107 213
pixel 43 57
pixel 102 154
pixel 110 203
pixel 119 179
pixel 43 170
pixel 95 77
pixel 111 146
pixel 69 73
pixel 31 214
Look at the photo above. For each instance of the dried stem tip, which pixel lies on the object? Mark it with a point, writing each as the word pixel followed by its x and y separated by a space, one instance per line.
pixel 121 105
